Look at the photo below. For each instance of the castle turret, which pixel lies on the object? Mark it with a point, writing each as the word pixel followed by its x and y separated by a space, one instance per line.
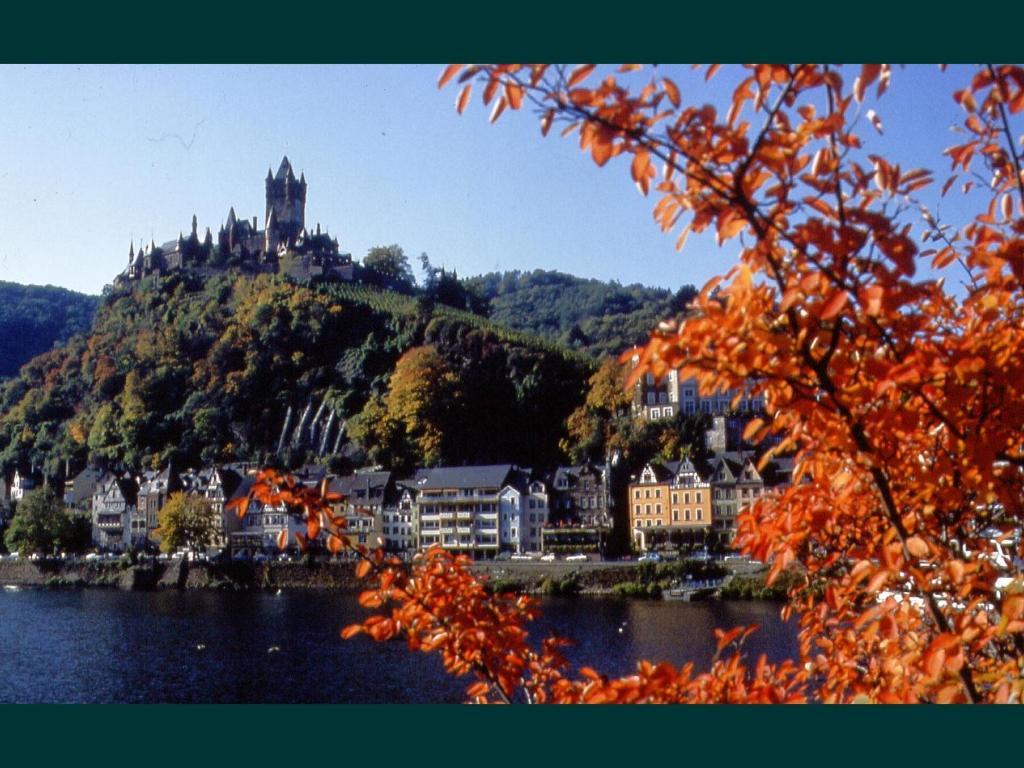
pixel 195 225
pixel 270 235
pixel 286 198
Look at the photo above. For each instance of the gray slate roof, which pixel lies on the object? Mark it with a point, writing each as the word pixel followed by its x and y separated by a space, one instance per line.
pixel 489 476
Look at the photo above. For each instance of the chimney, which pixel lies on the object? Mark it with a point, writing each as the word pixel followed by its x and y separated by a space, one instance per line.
pixel 253 223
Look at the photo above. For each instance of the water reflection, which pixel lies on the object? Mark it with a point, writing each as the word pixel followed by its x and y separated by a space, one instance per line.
pixel 110 646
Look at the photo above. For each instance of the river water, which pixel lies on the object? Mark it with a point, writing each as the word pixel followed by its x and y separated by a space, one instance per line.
pixel 107 646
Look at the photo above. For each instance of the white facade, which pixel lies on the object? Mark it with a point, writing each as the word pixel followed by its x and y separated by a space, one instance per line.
pixel 20 485
pixel 397 525
pixel 262 525
pixel 522 517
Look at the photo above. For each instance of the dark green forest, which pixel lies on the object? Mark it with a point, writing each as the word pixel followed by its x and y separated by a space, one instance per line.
pixel 229 367
pixel 35 317
pixel 591 316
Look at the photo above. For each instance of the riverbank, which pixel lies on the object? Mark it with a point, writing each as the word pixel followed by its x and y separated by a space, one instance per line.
pixel 626 579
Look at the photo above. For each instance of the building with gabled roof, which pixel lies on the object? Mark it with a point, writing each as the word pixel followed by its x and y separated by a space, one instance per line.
pixel 457 508
pixel 669 499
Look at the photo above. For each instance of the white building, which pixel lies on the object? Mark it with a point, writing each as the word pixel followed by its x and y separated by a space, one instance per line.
pixel 456 508
pixel 523 513
pixel 20 485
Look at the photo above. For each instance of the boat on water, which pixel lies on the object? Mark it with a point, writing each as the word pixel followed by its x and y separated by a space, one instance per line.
pixel 687 590
pixel 12 588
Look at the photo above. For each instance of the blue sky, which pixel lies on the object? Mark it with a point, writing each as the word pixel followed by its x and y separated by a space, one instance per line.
pixel 98 155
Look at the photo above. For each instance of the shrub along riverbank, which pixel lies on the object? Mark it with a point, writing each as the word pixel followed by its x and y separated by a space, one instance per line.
pixel 642 580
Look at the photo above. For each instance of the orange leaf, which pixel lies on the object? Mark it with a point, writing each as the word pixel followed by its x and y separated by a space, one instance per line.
pixel 672 91
pixel 362 569
pixel 834 305
pixel 478 689
pixel 463 98
pixel 282 539
pixel 351 631
pixel 514 94
pixel 917 546
pixel 724 638
pixel 751 429
pixel 872 298
pixel 545 122
pixel 868 74
pixel 334 544
pixel 499 107
pixel 580 74
pixel 449 72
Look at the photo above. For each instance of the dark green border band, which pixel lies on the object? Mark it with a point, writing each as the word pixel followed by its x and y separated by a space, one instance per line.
pixel 261 32
pixel 520 736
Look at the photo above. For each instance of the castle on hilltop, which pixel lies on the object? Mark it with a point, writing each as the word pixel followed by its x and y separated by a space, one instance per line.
pixel 283 245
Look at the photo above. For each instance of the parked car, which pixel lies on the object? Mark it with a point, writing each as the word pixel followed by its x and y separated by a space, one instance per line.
pixel 577 558
pixel 549 557
pixel 650 557
pixel 520 557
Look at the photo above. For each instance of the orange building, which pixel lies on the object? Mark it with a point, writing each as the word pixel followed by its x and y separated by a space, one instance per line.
pixel 670 498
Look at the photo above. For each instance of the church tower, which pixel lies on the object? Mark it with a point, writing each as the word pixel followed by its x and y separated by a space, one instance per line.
pixel 286 200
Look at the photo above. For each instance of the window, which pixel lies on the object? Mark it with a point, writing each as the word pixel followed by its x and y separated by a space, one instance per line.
pixel 675 498
pixel 655 413
pixel 699 499
pixel 687 515
pixel 648 509
pixel 650 398
pixel 675 515
pixel 686 498
pixel 657 493
pixel 636 510
pixel 700 514
pixel 657 509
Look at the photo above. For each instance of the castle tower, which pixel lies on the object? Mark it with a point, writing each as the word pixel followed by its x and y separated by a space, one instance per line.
pixel 286 199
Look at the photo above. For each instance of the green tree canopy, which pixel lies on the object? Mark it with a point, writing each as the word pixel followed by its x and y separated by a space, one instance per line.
pixel 388 267
pixel 187 521
pixel 41 524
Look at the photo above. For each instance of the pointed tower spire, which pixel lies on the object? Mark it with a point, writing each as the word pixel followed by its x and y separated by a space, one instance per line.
pixel 231 218
pixel 131 251
pixel 195 224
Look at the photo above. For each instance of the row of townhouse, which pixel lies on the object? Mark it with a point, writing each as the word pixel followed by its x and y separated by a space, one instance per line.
pixel 124 509
pixel 482 510
pixel 679 500
pixel 479 510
